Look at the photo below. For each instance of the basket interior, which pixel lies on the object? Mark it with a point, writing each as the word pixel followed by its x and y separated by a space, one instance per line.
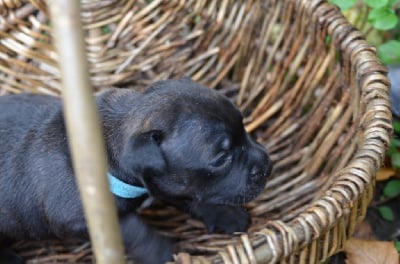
pixel 274 59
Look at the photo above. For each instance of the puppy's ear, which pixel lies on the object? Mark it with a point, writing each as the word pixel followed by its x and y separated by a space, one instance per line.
pixel 142 154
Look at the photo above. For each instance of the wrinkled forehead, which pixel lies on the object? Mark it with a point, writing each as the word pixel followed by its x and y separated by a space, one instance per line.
pixel 198 137
pixel 185 107
pixel 200 128
pixel 214 110
pixel 185 95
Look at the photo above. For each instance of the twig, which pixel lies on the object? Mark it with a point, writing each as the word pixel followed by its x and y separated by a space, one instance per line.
pixel 84 133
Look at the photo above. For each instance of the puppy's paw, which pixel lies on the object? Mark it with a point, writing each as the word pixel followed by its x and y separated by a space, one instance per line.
pixel 228 219
pixel 143 244
pixel 157 250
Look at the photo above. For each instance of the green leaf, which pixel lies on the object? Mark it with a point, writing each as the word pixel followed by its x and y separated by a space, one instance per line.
pixel 386 213
pixel 392 188
pixel 197 19
pixel 392 2
pixel 389 53
pixel 383 18
pixel 396 160
pixel 387 22
pixel 376 3
pixel 391 150
pixel 395 142
pixel 377 13
pixel 397 245
pixel 396 124
pixel 343 4
pixel 328 40
pixel 106 29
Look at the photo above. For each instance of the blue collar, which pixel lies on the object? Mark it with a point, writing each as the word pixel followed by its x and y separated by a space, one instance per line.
pixel 124 190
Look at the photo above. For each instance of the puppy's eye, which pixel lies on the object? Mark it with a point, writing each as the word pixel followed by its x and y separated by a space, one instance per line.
pixel 157 136
pixel 221 159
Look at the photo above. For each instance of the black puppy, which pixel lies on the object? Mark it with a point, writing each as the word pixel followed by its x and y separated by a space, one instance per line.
pixel 178 141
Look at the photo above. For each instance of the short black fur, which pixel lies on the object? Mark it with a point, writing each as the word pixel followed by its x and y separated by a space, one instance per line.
pixel 185 143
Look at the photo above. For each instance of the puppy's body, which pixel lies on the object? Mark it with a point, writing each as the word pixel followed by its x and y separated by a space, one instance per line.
pixel 184 143
pixel 33 147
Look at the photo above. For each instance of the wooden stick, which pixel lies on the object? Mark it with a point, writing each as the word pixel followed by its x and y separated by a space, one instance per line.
pixel 84 133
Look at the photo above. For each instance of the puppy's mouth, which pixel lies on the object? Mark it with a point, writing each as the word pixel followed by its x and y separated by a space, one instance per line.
pixel 254 187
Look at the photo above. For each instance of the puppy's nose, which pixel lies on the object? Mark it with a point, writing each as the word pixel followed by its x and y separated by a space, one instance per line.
pixel 260 167
pixel 256 176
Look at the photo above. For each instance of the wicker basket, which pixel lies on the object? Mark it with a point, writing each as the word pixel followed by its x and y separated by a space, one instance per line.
pixel 312 91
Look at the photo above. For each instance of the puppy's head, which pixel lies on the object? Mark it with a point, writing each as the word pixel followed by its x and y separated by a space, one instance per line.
pixel 190 144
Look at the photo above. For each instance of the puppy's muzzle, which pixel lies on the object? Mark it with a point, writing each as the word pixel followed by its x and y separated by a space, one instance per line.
pixel 260 165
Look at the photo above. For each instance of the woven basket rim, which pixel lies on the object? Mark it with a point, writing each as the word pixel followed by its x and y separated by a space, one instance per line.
pixel 283 239
pixel 280 236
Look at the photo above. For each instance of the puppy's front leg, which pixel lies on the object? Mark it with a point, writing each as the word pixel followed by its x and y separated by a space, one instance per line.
pixel 226 218
pixel 142 243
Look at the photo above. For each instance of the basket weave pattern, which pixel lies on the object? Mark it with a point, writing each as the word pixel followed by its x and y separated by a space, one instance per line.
pixel 311 89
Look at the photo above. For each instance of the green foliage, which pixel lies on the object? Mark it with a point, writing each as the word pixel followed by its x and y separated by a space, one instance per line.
pixel 382 22
pixel 343 4
pixel 383 18
pixel 394 147
pixel 397 245
pixel 197 19
pixel 396 160
pixel 392 188
pixel 376 3
pixel 395 142
pixel 328 40
pixel 389 52
pixel 106 30
pixel 393 2
pixel 396 127
pixel 386 213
